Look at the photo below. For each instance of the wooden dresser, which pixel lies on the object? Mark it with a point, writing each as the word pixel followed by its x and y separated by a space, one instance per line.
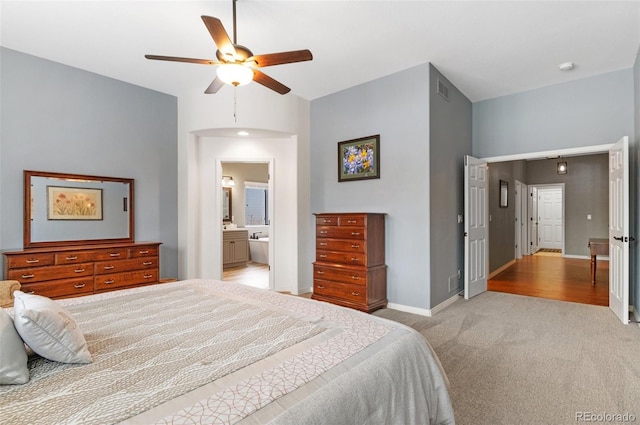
pixel 350 265
pixel 74 270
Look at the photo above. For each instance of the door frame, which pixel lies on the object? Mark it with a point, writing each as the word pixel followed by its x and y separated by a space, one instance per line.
pixel 554 186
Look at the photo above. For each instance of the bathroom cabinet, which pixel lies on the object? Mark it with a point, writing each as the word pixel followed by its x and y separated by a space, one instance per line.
pixel 235 248
pixel 350 267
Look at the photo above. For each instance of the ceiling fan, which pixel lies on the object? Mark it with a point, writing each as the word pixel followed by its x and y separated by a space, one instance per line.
pixel 237 65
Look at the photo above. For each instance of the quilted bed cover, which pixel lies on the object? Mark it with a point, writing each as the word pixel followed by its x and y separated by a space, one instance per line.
pixel 210 352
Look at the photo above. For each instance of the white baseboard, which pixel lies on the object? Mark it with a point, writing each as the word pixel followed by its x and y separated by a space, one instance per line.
pixel 501 269
pixel 303 291
pixel 422 311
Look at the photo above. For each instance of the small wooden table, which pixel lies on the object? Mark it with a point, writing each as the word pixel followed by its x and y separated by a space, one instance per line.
pixel 597 247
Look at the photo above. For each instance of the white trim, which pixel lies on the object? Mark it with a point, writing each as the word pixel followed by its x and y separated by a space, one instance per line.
pixel 586 150
pixel 446 303
pixel 501 269
pixel 409 309
pixel 300 291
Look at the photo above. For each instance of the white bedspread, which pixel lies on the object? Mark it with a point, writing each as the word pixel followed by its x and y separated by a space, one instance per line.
pixel 204 351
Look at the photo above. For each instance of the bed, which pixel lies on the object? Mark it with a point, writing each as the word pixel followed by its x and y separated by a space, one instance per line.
pixel 210 352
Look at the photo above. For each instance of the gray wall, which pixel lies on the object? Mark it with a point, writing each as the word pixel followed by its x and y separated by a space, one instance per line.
pixel 586 191
pixel 397 108
pixel 591 111
pixel 63 119
pixel 449 142
pixel 501 226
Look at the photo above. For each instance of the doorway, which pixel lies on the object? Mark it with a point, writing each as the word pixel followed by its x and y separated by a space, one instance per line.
pixel 550 217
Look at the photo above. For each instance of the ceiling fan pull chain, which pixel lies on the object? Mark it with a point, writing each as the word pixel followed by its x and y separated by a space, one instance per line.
pixel 235 101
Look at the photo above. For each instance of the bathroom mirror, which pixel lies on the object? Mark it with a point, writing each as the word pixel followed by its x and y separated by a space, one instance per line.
pixel 226 204
pixel 504 194
pixel 72 209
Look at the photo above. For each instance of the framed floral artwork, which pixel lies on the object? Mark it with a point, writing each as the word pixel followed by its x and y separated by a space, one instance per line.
pixel 73 203
pixel 359 159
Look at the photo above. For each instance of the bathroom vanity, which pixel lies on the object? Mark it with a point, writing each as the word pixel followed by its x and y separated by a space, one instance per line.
pixel 235 248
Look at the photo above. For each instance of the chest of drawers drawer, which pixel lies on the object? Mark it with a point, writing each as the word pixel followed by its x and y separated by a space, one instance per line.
pixel 30 260
pixel 338 232
pixel 119 280
pixel 343 291
pixel 352 258
pixel 39 274
pixel 93 255
pixel 141 263
pixel 344 274
pixel 340 245
pixel 60 288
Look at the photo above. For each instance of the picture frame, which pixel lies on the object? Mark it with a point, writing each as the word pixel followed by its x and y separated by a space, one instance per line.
pixel 359 159
pixel 73 203
pixel 504 194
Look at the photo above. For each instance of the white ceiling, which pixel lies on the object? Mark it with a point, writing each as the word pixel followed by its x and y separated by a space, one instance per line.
pixel 486 48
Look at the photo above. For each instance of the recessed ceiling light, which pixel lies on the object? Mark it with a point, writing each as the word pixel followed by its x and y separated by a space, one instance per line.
pixel 567 66
pixel 242 133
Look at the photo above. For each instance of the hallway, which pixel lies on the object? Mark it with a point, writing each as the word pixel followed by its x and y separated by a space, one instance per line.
pixel 556 278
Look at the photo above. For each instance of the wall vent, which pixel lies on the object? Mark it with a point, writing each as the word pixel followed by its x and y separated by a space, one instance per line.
pixel 443 90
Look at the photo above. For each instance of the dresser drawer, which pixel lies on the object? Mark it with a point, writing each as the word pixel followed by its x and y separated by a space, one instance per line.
pixel 71 257
pixel 143 251
pixel 343 291
pixel 352 220
pixel 350 258
pixel 327 220
pixel 38 274
pixel 340 245
pixel 30 260
pixel 60 288
pixel 119 280
pixel 339 232
pixel 344 275
pixel 142 263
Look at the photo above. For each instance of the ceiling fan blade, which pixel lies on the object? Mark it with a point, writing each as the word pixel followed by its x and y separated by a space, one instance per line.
pixel 281 58
pixel 265 80
pixel 214 86
pixel 219 35
pixel 178 59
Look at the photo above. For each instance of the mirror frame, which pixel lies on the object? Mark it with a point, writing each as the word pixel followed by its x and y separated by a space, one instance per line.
pixel 230 192
pixel 28 243
pixel 504 194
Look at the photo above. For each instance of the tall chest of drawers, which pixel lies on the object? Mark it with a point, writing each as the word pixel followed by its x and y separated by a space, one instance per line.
pixel 350 265
pixel 69 271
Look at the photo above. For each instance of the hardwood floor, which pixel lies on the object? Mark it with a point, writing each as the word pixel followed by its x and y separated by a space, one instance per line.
pixel 254 274
pixel 554 277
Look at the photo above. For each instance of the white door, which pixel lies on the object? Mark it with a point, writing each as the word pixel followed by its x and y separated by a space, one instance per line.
pixel 533 220
pixel 524 230
pixel 550 219
pixel 476 227
pixel 619 229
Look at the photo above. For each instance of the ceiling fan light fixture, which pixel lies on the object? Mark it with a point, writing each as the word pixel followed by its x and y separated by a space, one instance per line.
pixel 235 74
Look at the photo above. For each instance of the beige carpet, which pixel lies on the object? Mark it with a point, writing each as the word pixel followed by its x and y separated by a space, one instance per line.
pixel 520 360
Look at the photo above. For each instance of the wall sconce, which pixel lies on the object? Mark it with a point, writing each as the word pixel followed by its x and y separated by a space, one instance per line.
pixel 562 167
pixel 227 181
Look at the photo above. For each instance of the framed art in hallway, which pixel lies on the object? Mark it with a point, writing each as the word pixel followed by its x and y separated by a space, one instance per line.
pixel 359 159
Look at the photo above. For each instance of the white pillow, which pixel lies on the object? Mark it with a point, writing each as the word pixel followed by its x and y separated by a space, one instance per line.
pixel 48 329
pixel 13 353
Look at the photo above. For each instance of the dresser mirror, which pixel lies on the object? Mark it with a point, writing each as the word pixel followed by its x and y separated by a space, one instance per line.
pixel 227 214
pixel 73 209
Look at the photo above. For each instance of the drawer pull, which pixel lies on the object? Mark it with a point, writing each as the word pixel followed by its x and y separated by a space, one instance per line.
pixel 114 254
pixel 109 282
pixel 31 292
pixel 355 259
pixel 79 286
pixel 71 257
pixel 323 232
pixel 320 287
pixel 355 233
pixel 320 272
pixel 79 270
pixel 351 221
pixel 326 220
pixel 147 263
pixel 355 245
pixel 109 267
pixel 148 276
pixel 322 256
pixel 32 261
pixel 355 293
pixel 143 252
pixel 323 244
pixel 355 277
pixel 27 276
